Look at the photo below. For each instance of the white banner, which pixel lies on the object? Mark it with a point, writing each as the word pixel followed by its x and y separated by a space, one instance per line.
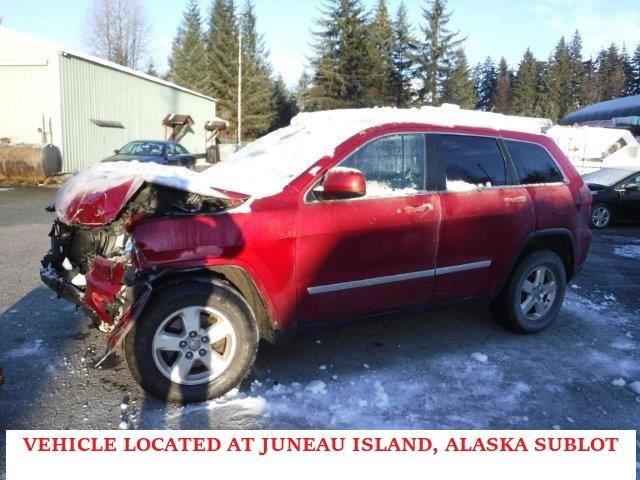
pixel 527 454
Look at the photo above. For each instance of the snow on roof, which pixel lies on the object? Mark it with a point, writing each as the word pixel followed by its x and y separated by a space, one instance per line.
pixel 266 166
pixel 100 61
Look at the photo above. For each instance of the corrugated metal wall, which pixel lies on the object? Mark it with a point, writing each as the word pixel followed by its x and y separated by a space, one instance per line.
pixel 29 94
pixel 93 91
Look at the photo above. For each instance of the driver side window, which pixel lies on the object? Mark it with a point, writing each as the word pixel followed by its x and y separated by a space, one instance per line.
pixel 392 165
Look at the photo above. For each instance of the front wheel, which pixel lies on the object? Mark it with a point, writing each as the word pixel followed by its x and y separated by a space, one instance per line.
pixel 533 297
pixel 194 341
pixel 601 216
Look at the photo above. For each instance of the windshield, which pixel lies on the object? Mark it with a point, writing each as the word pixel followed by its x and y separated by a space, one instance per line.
pixel 606 176
pixel 143 148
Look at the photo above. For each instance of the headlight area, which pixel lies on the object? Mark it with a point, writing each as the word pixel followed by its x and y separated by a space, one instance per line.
pixel 94 268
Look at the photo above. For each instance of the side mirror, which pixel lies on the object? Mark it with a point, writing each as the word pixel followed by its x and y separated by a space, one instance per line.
pixel 342 183
pixel 116 151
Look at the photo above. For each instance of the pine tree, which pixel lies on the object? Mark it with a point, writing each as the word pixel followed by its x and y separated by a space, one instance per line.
pixel 503 95
pixel 436 52
pixel 404 54
pixel 341 60
pixel 222 61
pixel 285 105
pixel 628 69
pixel 557 98
pixel 459 87
pixel 577 72
pixel 634 81
pixel 381 37
pixel 258 100
pixel 188 61
pixel 591 88
pixel 612 74
pixel 302 92
pixel 526 86
pixel 486 84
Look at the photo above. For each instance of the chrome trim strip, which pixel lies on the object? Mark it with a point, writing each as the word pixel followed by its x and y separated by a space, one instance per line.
pixel 368 282
pixel 463 268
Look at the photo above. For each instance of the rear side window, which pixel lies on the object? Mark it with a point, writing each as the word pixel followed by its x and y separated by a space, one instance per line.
pixel 533 163
pixel 471 163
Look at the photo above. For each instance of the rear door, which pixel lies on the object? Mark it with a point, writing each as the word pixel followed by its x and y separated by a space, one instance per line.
pixel 376 253
pixel 485 215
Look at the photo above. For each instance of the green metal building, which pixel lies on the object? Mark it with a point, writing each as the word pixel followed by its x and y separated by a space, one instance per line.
pixel 87 106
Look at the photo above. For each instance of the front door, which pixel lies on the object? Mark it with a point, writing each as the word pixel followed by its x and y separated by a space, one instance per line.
pixel 374 253
pixel 628 206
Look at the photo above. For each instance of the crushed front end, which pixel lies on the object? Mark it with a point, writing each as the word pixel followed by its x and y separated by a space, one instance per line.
pixel 93 260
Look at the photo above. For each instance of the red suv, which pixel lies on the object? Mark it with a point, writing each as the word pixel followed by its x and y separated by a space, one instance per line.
pixel 342 214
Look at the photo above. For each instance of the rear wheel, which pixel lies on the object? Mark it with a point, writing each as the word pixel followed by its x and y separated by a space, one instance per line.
pixel 533 297
pixel 601 216
pixel 194 341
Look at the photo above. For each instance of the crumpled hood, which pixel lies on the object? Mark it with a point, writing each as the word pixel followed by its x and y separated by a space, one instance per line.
pixel 96 196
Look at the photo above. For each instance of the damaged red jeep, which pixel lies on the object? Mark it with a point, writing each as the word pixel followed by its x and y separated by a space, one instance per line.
pixel 343 214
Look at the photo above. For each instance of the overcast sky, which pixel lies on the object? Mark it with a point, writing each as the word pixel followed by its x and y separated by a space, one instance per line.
pixel 493 27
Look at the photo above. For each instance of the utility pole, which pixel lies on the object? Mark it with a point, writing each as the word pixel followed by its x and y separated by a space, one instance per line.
pixel 239 85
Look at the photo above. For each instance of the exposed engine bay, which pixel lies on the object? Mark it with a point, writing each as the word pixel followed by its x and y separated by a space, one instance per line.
pixel 96 267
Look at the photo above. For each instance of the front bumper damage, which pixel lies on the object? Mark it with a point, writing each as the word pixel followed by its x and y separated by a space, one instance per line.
pixel 111 291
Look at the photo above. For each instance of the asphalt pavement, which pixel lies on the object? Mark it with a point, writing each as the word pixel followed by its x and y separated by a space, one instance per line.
pixel 452 368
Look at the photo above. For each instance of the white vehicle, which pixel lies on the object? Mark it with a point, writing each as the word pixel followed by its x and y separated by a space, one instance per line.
pixel 593 148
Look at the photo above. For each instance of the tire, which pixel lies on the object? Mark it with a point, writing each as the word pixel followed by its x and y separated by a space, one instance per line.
pixel 513 307
pixel 175 360
pixel 600 216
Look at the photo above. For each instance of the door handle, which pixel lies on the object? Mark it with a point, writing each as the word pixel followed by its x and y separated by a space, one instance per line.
pixel 510 200
pixel 425 207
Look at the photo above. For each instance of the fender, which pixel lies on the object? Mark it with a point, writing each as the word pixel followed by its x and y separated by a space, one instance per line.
pixel 549 232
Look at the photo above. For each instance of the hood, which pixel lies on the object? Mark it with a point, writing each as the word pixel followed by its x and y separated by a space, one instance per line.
pixel 96 196
pixel 134 158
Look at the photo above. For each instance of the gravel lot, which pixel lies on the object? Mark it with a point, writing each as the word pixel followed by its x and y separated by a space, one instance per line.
pixel 452 368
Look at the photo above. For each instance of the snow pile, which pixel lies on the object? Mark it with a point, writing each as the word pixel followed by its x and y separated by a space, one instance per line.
pixel 635 387
pixel 628 251
pixel 479 357
pixel 266 166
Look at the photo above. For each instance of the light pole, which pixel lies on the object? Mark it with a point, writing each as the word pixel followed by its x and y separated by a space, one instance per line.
pixel 240 84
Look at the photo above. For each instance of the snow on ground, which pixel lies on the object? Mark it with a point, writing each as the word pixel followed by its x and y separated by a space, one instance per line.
pixel 628 251
pixel 453 390
pixel 28 350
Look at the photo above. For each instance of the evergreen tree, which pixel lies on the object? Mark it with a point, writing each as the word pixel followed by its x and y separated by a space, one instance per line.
pixel 151 69
pixel 612 74
pixel 285 105
pixel 341 61
pixel 557 83
pixel 628 69
pixel 188 61
pixel 382 78
pixel 222 61
pixel 459 87
pixel 258 96
pixel 634 81
pixel 503 95
pixel 526 86
pixel 577 72
pixel 486 84
pixel 591 88
pixel 302 92
pixel 404 54
pixel 436 52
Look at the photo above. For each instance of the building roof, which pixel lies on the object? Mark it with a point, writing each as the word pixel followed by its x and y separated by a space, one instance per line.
pixel 626 110
pixel 99 61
